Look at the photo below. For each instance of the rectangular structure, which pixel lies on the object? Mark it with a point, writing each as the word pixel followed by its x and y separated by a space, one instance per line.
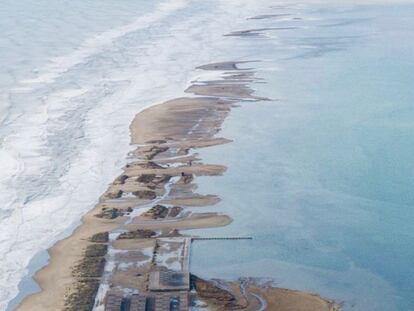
pixel 113 303
pixel 138 303
pixel 169 281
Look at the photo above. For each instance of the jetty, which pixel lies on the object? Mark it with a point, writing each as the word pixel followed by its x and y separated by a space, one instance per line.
pixel 222 238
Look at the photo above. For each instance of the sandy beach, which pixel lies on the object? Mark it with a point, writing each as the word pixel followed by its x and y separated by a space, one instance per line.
pixel 56 279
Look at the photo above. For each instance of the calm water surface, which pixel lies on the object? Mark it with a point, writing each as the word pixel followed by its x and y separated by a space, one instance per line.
pixel 322 176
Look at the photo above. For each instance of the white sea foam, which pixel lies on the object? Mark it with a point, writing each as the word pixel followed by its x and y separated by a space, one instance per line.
pixel 59 65
pixel 66 133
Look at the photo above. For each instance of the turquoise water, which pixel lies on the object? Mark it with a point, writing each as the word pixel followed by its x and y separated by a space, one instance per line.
pixel 322 176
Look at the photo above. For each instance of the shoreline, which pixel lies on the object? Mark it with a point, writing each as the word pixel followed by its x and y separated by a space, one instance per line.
pixel 158 199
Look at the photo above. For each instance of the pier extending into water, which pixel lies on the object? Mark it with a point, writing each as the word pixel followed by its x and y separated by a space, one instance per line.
pixel 222 238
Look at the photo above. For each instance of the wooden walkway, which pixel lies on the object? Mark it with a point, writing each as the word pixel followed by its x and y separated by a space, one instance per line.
pixel 186 255
pixel 222 238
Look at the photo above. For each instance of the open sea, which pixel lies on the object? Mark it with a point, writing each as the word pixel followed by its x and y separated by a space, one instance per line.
pixel 321 176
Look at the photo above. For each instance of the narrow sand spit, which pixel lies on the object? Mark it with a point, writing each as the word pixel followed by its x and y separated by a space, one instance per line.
pixel 135 232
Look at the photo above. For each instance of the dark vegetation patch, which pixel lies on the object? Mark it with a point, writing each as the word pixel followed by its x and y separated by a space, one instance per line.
pixel 83 297
pixel 175 211
pixel 96 250
pixel 112 213
pixel 146 178
pixel 154 151
pixel 217 295
pixel 121 180
pixel 153 180
pixel 89 267
pixel 145 194
pixel 149 165
pixel 187 178
pixel 156 141
pixel 88 272
pixel 137 234
pixel 114 195
pixel 157 211
pixel 101 237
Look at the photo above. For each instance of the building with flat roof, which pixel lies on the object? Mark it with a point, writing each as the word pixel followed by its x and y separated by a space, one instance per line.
pixel 165 301
pixel 169 281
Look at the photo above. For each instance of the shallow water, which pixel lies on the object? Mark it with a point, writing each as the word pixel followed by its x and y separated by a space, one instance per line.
pixel 320 176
